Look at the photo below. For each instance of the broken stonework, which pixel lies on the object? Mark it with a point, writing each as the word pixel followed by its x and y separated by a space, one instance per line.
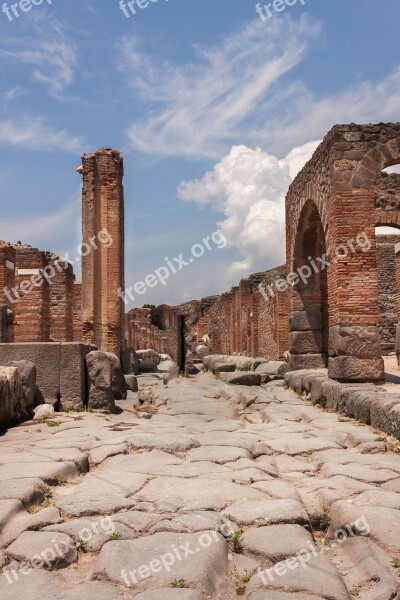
pixel 100 376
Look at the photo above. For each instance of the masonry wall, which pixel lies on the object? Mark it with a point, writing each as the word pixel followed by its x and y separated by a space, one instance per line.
pixel 140 334
pixel 385 258
pixel 7 279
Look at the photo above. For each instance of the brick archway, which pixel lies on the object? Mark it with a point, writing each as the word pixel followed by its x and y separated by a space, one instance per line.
pixel 344 181
pixel 308 323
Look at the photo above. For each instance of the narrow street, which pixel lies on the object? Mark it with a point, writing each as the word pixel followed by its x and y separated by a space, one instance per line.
pixel 197 494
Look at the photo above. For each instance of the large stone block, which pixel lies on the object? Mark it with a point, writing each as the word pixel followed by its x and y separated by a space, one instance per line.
pixel 118 380
pixel 241 378
pixel 27 372
pixel 305 321
pixel 129 361
pixel 73 379
pixel 307 361
pixel 100 376
pixel 355 341
pixel 46 357
pixel 348 368
pixel 12 405
pixel 305 342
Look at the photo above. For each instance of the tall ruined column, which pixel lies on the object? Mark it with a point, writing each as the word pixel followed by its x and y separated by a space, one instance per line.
pixel 103 250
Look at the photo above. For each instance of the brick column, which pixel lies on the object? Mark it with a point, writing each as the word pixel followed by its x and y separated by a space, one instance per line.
pixel 103 266
pixel 355 352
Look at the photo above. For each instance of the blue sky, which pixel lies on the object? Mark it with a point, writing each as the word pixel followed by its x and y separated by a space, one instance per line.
pixel 213 109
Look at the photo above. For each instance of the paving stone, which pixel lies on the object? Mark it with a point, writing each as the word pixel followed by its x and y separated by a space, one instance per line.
pixel 267 512
pixel 198 491
pixel 50 550
pixel 276 543
pixel 113 483
pixel 169 594
pixel 47 471
pixel 98 455
pixel 84 506
pixel 175 442
pixel 218 454
pixel 28 491
pixel 46 516
pixel 318 578
pixel 241 378
pixel 378 497
pixel 358 472
pixel 382 525
pixel 277 489
pixel 131 563
pixel 35 584
pixel 366 570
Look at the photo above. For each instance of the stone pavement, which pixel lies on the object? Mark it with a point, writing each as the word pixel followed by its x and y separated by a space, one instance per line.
pixel 204 492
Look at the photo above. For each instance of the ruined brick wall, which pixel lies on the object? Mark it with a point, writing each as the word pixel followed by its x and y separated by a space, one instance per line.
pixel 242 321
pixel 103 267
pixel 7 280
pixel 77 316
pixel 387 290
pixel 141 334
pixel 61 292
pixel 32 310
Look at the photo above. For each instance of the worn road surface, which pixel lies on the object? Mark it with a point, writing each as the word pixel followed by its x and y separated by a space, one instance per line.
pixel 204 492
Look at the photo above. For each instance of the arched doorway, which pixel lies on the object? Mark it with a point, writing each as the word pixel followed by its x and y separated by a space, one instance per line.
pixel 308 322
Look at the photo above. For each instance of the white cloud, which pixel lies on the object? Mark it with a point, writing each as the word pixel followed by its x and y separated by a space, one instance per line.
pixel 249 186
pixel 238 92
pixel 32 133
pixel 46 49
pixel 201 108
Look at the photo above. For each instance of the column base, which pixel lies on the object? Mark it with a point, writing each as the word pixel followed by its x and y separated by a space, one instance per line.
pixel 355 353
pixel 307 361
pixel 352 369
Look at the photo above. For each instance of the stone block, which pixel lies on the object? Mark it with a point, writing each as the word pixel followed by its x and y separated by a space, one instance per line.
pixel 348 368
pixel 398 342
pixel 307 361
pixel 305 321
pixel 73 378
pixel 241 378
pixel 224 368
pixel 46 357
pixel 12 405
pixel 129 361
pixel 355 341
pixel 131 383
pixel 305 342
pixel 100 375
pixel 118 379
pixel 149 357
pixel 27 372
pixel 381 415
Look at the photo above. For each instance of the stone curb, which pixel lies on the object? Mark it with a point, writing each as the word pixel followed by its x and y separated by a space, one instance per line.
pixel 365 402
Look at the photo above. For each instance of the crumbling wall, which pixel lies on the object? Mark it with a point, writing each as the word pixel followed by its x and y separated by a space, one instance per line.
pixel 385 258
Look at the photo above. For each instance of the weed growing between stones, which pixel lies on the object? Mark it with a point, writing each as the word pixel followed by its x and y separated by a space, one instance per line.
pixel 235 541
pixel 178 583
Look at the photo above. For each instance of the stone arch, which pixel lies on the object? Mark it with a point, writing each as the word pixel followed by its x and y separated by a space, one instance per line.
pixel 343 179
pixel 308 324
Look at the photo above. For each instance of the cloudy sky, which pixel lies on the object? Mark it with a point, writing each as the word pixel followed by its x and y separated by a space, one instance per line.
pixel 214 110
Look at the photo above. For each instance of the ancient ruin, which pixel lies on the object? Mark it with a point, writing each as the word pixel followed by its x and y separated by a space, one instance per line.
pixel 242 444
